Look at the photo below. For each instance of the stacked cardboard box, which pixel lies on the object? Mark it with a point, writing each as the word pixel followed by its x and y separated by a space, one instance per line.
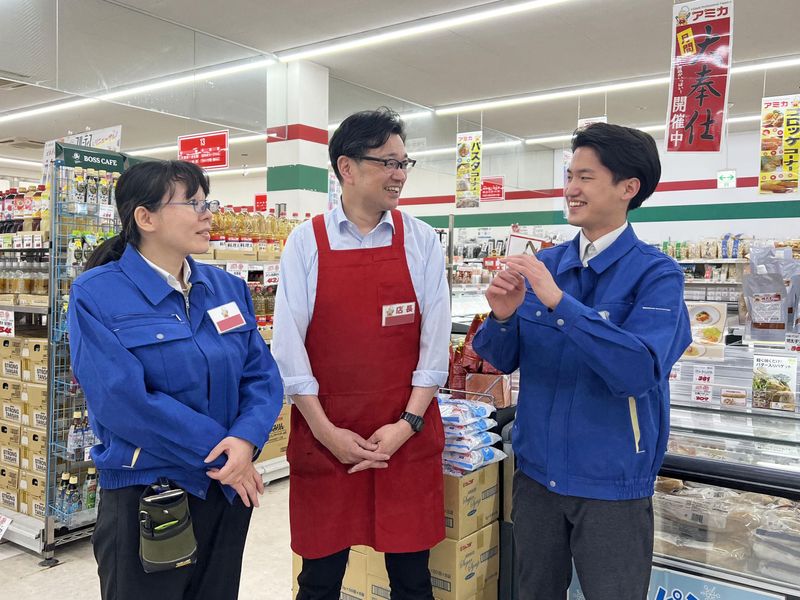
pixel 278 437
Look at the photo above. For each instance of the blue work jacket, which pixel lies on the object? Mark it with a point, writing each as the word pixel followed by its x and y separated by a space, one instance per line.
pixel 163 388
pixel 593 408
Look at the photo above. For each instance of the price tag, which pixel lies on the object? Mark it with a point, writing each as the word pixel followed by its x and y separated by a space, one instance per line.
pixel 271 274
pixel 4 523
pixel 239 269
pixel 105 211
pixel 703 374
pixel 793 342
pixel 675 373
pixel 87 453
pixel 7 323
pixel 701 393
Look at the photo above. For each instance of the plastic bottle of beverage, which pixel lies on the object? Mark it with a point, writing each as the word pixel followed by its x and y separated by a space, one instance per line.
pixel 61 494
pixel 75 436
pixel 92 187
pixel 19 208
pixel 102 187
pixel 8 209
pixel 27 207
pixel 72 503
pixel 90 489
pixel 112 192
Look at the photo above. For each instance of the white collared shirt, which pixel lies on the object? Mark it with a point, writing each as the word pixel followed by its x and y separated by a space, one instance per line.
pixel 170 279
pixel 599 244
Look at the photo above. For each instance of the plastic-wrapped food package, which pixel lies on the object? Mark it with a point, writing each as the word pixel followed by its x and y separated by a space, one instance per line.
pixel 728 554
pixel 470 442
pixel 460 431
pixel 463 412
pixel 475 459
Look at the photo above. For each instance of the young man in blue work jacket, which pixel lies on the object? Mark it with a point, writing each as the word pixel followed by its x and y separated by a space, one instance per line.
pixel 594 326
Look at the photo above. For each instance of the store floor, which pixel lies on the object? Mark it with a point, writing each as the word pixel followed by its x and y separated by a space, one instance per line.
pixel 266 573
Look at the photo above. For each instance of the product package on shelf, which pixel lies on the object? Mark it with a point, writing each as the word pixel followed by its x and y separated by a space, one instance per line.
pixel 468 443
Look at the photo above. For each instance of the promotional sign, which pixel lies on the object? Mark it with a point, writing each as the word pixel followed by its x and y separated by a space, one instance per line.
pixel 524 244
pixel 468 169
pixel 708 322
pixel 780 143
pixel 493 189
pixel 702 38
pixel 726 180
pixel 207 150
pixel 775 382
pixel 7 323
pixel 586 121
pixel 108 138
pixel 260 203
pixel 666 584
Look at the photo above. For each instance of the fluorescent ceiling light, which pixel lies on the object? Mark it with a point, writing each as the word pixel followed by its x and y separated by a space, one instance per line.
pixel 478 14
pixel 149 87
pixel 248 171
pixel 35 112
pixel 553 139
pixel 21 163
pixel 452 149
pixel 600 89
pixel 404 116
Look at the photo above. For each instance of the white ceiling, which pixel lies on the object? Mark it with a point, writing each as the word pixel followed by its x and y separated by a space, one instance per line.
pixel 576 43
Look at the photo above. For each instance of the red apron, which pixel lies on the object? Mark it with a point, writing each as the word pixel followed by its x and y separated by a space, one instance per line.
pixel 364 372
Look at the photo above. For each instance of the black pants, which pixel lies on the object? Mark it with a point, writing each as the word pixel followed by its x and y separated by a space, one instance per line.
pixel 220 529
pixel 611 543
pixel 409 577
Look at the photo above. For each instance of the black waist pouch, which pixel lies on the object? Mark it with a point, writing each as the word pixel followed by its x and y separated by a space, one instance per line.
pixel 166 536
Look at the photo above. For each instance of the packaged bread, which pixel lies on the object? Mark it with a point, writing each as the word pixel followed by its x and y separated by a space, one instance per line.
pixel 722 553
pixel 668 485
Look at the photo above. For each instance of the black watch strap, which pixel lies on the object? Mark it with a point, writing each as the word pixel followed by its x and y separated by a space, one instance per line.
pixel 415 421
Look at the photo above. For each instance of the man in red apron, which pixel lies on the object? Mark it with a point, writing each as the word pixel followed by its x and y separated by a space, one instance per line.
pixel 361 334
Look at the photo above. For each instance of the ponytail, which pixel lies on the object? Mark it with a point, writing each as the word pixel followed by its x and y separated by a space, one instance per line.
pixel 111 249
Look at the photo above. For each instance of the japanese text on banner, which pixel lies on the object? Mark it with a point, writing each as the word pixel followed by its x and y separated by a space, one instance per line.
pixel 468 169
pixel 780 145
pixel 701 58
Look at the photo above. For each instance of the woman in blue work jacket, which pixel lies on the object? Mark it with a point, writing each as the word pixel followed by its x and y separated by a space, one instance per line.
pixel 178 382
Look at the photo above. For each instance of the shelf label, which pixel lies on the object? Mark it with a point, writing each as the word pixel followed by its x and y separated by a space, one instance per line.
pixel 733 396
pixel 793 342
pixel 239 269
pixel 272 274
pixel 105 211
pixel 675 373
pixel 4 523
pixel 7 323
pixel 703 374
pixel 701 393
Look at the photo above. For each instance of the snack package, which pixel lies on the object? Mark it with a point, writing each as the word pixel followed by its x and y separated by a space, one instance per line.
pixel 767 307
pixel 471 442
pixel 474 459
pixel 460 431
pixel 463 412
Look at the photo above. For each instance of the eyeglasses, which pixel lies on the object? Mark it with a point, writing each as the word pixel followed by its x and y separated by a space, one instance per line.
pixel 392 164
pixel 201 206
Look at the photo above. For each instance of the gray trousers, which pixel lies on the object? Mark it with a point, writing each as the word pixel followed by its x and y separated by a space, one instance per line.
pixel 611 543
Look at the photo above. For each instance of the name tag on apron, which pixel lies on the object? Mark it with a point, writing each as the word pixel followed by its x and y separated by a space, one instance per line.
pixel 398 314
pixel 226 317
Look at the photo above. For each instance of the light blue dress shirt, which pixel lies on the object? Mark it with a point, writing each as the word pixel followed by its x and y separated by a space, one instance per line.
pixel 297 292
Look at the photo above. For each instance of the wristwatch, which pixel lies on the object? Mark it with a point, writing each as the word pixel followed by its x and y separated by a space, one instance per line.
pixel 415 421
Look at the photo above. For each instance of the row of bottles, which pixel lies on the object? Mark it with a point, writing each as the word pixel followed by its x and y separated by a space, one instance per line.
pixel 263 303
pixel 25 209
pixel 24 277
pixel 86 189
pixel 252 231
pixel 72 498
pixel 80 436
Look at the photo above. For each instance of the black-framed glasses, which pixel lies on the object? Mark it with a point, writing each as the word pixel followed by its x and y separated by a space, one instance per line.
pixel 201 206
pixel 391 163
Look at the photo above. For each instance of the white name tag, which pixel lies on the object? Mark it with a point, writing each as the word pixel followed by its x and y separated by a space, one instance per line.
pixel 398 314
pixel 226 317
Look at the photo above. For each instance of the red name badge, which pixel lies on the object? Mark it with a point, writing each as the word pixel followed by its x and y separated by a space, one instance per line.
pixel 226 317
pixel 399 314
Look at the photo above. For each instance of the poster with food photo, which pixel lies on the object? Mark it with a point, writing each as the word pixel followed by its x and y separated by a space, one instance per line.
pixel 780 145
pixel 468 169
pixel 775 382
pixel 708 320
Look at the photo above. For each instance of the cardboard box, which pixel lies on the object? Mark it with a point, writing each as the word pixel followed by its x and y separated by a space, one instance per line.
pixel 32 506
pixel 9 500
pixel 8 299
pixel 33 484
pixel 297 565
pixel 471 502
pixel 12 411
pixel 278 437
pixel 497 386
pixel 34 398
pixel 11 347
pixel 9 478
pixel 379 589
pixel 34 440
pixel 461 568
pixel 34 461
pixel 11 368
pixel 36 349
pixel 34 371
pixel 11 389
pixel 10 434
pixel 32 300
pixel 376 564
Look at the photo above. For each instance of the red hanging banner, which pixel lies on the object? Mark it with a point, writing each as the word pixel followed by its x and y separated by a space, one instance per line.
pixel 702 41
